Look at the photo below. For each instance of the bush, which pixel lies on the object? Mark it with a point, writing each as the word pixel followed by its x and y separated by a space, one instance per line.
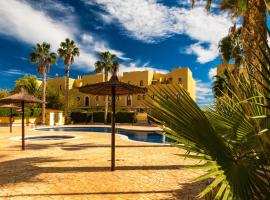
pixel 4 112
pixel 79 117
pixel 35 112
pixel 126 117
pixel 99 117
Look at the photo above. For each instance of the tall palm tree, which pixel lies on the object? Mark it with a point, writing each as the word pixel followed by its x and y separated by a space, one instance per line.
pixel 68 50
pixel 253 13
pixel 107 64
pixel 45 58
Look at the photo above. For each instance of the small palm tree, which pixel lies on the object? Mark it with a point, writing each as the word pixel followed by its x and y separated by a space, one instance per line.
pixel 230 48
pixel 45 58
pixel 107 64
pixel 68 50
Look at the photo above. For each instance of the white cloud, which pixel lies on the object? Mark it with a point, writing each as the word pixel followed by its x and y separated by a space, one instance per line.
pixel 18 19
pixel 151 21
pixel 212 72
pixel 204 93
pixel 133 66
pixel 86 38
pixel 12 72
pixel 204 55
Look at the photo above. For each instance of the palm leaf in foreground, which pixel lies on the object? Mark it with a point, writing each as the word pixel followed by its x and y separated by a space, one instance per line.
pixel 228 146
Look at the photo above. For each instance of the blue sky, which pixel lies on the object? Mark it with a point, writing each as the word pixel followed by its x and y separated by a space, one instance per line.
pixel 144 34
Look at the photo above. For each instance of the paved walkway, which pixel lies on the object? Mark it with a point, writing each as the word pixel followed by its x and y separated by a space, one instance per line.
pixel 79 169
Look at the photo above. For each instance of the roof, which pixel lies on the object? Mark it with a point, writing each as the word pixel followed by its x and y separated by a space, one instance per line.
pixel 105 88
pixel 22 96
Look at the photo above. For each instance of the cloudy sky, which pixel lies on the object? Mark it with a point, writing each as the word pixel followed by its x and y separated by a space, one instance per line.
pixel 144 34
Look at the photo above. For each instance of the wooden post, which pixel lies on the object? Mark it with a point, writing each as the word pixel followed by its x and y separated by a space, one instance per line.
pixel 113 130
pixel 10 121
pixel 23 145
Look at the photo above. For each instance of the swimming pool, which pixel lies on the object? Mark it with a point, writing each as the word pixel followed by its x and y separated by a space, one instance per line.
pixel 49 137
pixel 142 136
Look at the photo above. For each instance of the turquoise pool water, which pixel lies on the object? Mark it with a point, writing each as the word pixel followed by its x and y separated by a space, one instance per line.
pixel 143 136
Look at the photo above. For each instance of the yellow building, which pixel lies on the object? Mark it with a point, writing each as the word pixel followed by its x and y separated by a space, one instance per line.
pixel 148 78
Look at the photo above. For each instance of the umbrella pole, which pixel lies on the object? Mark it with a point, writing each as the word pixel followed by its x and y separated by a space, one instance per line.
pixel 113 130
pixel 23 148
pixel 10 121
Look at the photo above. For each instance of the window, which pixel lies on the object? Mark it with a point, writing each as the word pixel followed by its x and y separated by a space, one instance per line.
pixel 143 97
pixel 128 100
pixel 97 97
pixel 86 102
pixel 78 98
pixel 169 80
pixel 139 97
pixel 141 83
pixel 179 80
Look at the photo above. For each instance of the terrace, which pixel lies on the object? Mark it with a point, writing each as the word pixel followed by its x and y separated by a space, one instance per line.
pixel 79 168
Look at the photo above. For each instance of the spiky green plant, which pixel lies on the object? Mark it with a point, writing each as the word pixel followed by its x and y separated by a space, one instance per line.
pixel 232 137
pixel 224 138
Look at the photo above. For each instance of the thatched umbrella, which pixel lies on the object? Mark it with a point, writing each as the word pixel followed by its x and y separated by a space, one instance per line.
pixel 22 97
pixel 10 106
pixel 112 87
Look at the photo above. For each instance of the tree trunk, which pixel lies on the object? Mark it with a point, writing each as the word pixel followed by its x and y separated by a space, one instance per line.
pixel 253 31
pixel 66 93
pixel 106 102
pixel 43 95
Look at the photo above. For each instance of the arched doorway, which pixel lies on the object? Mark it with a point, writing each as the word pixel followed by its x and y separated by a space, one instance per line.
pixel 86 101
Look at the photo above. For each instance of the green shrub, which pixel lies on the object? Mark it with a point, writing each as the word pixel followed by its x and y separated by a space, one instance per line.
pixel 126 117
pixel 99 117
pixel 79 117
pixel 35 112
pixel 4 112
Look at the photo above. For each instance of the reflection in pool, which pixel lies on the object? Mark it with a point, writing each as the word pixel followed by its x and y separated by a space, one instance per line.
pixel 144 136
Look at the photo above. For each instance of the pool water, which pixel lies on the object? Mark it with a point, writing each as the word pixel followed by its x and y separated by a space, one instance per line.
pixel 50 137
pixel 143 136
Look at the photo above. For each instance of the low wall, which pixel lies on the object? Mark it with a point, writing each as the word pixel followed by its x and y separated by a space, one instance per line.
pixel 141 117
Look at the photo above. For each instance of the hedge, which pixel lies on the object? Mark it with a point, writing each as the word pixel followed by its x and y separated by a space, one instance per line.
pixel 99 117
pixel 33 112
pixel 126 117
pixel 79 117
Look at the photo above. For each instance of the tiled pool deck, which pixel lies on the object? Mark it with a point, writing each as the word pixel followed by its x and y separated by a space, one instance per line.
pixel 79 169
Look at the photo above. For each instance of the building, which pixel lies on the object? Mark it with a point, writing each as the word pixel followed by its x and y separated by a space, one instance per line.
pixel 148 78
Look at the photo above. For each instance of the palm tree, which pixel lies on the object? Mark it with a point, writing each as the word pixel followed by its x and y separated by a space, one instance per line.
pixel 219 86
pixel 226 140
pixel 253 13
pixel 107 64
pixel 231 138
pixel 45 58
pixel 230 48
pixel 68 50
